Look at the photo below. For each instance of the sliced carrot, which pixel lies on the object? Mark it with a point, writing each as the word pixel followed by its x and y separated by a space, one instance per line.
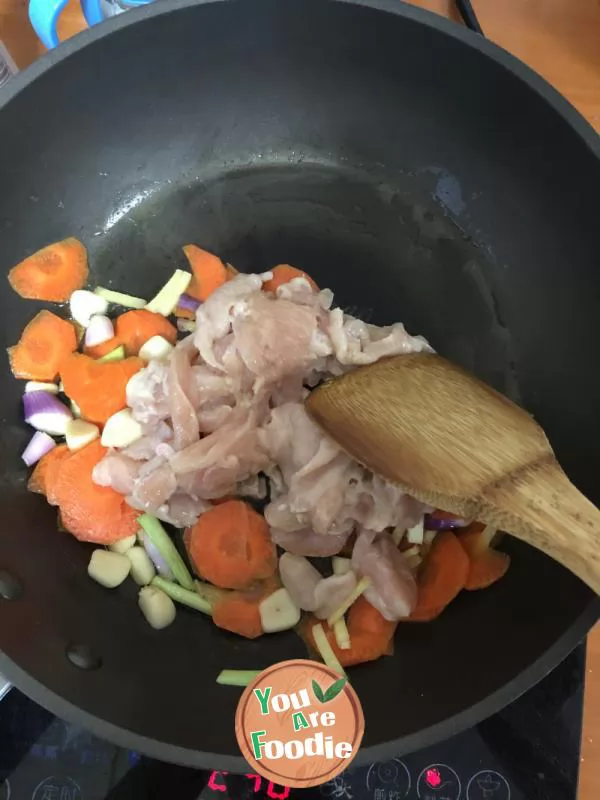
pixel 441 577
pixel 364 617
pixel 486 565
pixel 53 273
pixel 284 273
pixel 44 344
pixel 90 512
pixel 364 645
pixel 38 480
pixel 97 388
pixel 238 614
pixel 134 328
pixel 230 546
pixel 99 350
pixel 208 270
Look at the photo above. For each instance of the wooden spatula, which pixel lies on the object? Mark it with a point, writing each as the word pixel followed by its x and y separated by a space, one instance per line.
pixel 456 444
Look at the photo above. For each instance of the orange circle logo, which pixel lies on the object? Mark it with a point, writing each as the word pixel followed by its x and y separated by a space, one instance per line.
pixel 299 724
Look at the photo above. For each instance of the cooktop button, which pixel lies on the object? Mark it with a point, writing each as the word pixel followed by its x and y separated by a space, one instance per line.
pixel 438 782
pixel 488 785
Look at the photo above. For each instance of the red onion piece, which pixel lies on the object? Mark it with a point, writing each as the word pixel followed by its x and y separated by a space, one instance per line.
pixel 188 303
pixel 99 330
pixel 436 524
pixel 39 445
pixel 157 559
pixel 46 413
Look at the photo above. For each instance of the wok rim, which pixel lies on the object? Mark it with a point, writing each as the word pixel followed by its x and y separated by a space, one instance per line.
pixel 510 691
pixel 200 759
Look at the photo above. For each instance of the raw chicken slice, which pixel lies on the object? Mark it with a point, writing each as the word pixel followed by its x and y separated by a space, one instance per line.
pixel 152 489
pixel 183 414
pixel 393 590
pixel 117 471
pixel 308 543
pixel 273 337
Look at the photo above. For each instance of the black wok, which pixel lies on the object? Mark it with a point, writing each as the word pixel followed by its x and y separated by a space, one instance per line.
pixel 419 171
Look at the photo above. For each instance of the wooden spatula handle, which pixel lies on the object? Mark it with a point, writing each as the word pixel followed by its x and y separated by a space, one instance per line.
pixel 540 505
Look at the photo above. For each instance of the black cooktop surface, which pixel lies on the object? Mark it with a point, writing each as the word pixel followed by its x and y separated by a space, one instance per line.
pixel 529 751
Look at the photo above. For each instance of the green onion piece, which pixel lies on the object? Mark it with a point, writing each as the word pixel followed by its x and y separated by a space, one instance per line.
pixel 360 587
pixel 166 300
pixel 161 539
pixel 237 677
pixel 118 354
pixel 342 635
pixel 325 649
pixel 181 595
pixel 120 299
pixel 212 594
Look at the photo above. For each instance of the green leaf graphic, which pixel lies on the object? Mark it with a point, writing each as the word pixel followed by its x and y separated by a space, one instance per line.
pixel 334 690
pixel 318 692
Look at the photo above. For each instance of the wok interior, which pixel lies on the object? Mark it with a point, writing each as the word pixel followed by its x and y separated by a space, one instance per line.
pixel 420 181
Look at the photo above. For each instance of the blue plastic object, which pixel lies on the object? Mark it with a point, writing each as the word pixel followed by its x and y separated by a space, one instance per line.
pixel 44 15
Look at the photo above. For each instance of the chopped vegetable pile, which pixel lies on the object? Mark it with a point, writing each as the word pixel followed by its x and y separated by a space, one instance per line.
pixel 198 422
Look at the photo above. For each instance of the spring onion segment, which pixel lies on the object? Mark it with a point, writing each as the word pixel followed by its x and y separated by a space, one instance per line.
pixel 165 301
pixel 181 595
pixel 340 565
pixel 237 677
pixel 39 445
pixel 342 635
pixel 118 354
pixel 212 594
pixel 156 557
pixel 325 649
pixel 360 587
pixel 162 541
pixel 120 299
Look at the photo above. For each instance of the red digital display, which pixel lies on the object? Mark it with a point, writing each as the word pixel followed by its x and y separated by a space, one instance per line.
pixel 217 782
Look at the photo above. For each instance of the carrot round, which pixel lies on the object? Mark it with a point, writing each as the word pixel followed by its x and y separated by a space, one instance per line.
pixel 38 480
pixel 53 273
pixel 364 645
pixel 208 270
pixel 44 344
pixel 284 273
pixel 486 565
pixel 230 546
pixel 134 328
pixel 90 512
pixel 97 388
pixel 364 617
pixel 442 576
pixel 238 614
